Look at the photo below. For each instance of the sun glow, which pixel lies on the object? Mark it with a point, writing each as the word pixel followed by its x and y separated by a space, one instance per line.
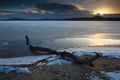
pixel 99 12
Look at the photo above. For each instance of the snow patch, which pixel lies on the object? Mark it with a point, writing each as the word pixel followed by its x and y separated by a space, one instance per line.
pixel 92 76
pixel 59 62
pixel 95 49
pixel 111 75
pixel 111 52
pixel 48 61
pixel 24 60
pixel 8 69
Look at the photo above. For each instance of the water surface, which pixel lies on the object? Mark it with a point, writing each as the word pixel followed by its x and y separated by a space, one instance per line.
pixel 56 35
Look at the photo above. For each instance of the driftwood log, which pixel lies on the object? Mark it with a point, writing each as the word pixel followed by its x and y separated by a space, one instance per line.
pixel 64 55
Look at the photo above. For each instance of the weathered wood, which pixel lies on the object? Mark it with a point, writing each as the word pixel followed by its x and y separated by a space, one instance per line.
pixel 76 59
pixel 27 40
pixel 65 55
pixel 33 48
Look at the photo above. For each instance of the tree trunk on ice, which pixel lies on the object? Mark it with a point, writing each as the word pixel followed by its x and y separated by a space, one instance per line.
pixel 64 55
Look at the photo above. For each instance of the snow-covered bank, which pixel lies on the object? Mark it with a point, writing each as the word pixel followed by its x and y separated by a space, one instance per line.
pixel 24 60
pixel 112 75
pixel 112 52
pixel 59 62
pixel 92 76
pixel 8 69
pixel 115 75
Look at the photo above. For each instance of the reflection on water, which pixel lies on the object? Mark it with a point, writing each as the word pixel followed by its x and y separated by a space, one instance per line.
pixel 104 36
pixel 100 39
pixel 13 49
pixel 79 42
pixel 98 36
pixel 19 48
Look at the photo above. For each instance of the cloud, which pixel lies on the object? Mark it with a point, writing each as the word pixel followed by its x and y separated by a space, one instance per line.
pixel 110 5
pixel 61 10
pixel 75 1
pixel 54 6
pixel 49 10
pixel 6 12
pixel 67 1
pixel 87 4
pixel 58 7
pixel 34 10
pixel 31 10
pixel 73 5
pixel 57 10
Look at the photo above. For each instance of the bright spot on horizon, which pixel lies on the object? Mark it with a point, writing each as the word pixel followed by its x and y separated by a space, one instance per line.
pixel 99 12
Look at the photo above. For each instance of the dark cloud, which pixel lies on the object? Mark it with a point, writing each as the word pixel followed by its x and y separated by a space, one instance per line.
pixel 109 5
pixel 81 2
pixel 60 9
pixel 57 7
pixel 16 4
pixel 87 4
pixel 68 1
pixel 48 10
pixel 6 12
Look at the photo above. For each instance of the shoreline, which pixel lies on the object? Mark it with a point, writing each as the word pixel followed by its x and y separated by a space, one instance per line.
pixel 67 72
pixel 58 69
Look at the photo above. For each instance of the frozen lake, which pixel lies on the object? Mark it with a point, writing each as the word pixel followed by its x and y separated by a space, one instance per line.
pixel 56 35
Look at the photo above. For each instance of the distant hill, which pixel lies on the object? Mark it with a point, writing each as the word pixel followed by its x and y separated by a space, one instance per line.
pixel 95 18
pixel 14 19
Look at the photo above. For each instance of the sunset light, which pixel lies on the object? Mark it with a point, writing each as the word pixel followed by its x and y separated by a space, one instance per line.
pixel 99 12
pixel 59 39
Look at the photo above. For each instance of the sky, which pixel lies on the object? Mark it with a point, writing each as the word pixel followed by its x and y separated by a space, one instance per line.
pixel 38 9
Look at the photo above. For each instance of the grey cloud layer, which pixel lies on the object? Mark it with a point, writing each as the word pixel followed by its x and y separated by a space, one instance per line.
pixel 56 7
pixel 112 5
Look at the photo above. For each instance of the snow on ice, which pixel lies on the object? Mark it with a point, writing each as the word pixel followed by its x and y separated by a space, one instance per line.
pixel 8 69
pixel 112 52
pixel 111 75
